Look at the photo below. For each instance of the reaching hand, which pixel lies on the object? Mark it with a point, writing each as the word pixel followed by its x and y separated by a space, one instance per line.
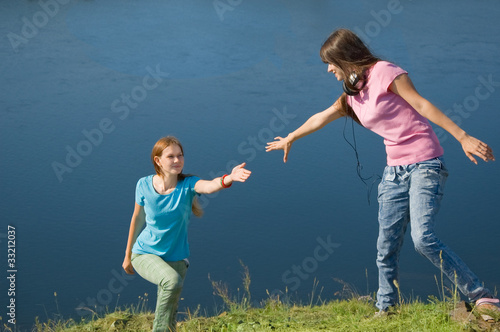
pixel 473 146
pixel 280 144
pixel 240 174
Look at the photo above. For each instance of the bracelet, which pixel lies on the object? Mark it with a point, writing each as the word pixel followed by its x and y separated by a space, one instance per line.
pixel 222 182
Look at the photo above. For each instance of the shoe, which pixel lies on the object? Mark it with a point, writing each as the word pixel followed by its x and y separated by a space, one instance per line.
pixel 487 307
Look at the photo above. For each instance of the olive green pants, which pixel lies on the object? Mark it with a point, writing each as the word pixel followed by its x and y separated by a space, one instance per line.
pixel 169 276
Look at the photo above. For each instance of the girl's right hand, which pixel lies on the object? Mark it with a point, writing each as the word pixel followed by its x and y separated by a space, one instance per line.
pixel 473 146
pixel 127 265
pixel 281 143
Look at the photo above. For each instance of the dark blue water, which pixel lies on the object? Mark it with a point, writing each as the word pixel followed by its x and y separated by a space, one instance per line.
pixel 88 87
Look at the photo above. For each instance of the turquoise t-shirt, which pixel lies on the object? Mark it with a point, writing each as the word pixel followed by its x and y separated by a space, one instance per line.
pixel 167 219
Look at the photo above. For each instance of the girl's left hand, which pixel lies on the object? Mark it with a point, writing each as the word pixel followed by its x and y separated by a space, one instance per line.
pixel 239 173
pixel 473 146
pixel 127 265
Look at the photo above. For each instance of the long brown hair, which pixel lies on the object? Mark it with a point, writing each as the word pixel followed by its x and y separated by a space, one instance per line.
pixel 158 148
pixel 344 49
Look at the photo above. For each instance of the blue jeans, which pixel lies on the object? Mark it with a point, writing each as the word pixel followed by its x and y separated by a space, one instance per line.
pixel 412 193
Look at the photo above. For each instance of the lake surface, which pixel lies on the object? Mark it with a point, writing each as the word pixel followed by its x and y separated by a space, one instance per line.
pixel 88 87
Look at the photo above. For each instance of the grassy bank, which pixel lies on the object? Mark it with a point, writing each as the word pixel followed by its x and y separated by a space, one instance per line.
pixel 352 312
pixel 339 315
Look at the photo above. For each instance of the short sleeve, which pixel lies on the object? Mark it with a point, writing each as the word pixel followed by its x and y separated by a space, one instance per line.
pixel 385 73
pixel 191 182
pixel 139 192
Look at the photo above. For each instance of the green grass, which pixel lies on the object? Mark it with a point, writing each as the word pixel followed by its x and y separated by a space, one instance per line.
pixel 350 313
pixel 275 315
pixel 340 315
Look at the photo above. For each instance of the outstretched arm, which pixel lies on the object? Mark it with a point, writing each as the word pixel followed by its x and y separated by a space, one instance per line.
pixel 403 86
pixel 314 123
pixel 238 174
pixel 136 225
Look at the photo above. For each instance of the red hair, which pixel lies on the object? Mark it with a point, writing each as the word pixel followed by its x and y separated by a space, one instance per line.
pixel 157 151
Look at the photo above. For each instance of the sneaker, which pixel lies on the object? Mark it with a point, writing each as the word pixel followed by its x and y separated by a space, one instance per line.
pixel 489 309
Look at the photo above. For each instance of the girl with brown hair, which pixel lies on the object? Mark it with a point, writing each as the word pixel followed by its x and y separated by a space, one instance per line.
pixel 381 97
pixel 157 246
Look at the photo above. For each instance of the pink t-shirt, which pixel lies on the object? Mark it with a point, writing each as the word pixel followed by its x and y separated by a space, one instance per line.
pixel 408 136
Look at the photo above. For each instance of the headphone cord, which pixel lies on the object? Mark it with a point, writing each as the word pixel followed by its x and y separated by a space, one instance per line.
pixel 359 167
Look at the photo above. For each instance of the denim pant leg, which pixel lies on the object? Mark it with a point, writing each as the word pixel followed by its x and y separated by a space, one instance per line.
pixel 393 220
pixel 426 190
pixel 169 276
